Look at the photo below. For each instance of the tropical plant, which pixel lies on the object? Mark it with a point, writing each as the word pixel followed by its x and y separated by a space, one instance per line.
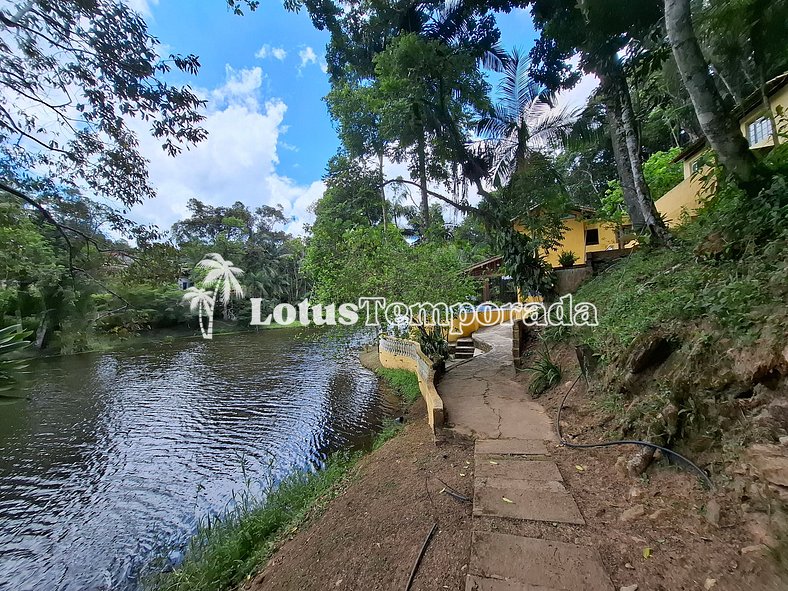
pixel 12 339
pixel 434 342
pixel 546 374
pixel 522 120
pixel 567 258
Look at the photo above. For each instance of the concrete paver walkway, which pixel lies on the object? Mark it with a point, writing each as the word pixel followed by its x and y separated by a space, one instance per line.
pixel 515 478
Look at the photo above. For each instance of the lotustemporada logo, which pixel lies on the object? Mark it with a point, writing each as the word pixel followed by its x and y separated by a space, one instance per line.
pixel 221 283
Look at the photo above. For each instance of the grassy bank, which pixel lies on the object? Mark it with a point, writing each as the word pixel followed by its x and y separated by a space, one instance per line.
pixel 727 270
pixel 405 383
pixel 714 302
pixel 225 551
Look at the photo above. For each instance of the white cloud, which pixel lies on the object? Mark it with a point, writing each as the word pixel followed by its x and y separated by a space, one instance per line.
pixel 237 162
pixel 240 86
pixel 142 6
pixel 308 56
pixel 266 51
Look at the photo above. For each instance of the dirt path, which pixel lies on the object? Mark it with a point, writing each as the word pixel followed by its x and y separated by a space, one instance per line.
pixel 516 479
pixel 369 536
pixel 570 508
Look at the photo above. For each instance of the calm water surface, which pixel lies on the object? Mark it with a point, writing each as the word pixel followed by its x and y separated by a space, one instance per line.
pixel 115 456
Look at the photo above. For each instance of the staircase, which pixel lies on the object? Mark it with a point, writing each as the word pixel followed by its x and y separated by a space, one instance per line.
pixel 464 348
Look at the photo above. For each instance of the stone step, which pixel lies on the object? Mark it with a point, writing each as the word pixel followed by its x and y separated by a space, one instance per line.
pixel 516 563
pixel 511 447
pixel 526 501
pixel 515 468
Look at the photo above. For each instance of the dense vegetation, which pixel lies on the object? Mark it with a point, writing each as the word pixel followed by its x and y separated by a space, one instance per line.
pixel 411 83
pixel 481 131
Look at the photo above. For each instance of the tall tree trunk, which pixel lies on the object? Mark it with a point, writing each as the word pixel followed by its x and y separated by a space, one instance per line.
pixel 651 219
pixel 382 189
pixel 718 125
pixel 425 197
pixel 623 165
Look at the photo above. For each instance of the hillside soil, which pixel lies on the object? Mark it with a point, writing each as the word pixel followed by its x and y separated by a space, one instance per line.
pixel 661 531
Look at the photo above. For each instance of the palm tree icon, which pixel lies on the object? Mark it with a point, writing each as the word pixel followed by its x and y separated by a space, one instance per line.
pixel 222 277
pixel 200 301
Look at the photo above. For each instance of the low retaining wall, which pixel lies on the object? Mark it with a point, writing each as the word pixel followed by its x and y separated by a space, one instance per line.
pixel 569 280
pixel 405 354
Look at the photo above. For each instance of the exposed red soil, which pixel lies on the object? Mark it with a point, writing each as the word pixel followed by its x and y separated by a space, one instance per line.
pixel 369 537
pixel 686 550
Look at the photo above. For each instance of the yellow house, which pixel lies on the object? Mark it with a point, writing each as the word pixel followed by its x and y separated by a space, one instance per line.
pixel 756 126
pixel 584 236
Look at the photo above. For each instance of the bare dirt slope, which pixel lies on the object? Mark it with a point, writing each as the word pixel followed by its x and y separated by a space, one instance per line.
pixel 369 537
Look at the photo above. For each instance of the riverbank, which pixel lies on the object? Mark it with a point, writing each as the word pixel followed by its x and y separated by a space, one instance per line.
pixel 370 536
pixel 105 342
pixel 228 551
pixel 661 530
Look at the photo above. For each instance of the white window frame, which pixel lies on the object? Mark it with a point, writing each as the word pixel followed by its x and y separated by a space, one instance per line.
pixel 759 130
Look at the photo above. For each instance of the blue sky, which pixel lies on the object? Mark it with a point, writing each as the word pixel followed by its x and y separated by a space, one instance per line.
pixel 269 133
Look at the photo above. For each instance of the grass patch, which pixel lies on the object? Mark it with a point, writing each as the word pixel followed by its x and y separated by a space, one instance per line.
pixel 227 550
pixel 732 286
pixel 404 382
pixel 389 431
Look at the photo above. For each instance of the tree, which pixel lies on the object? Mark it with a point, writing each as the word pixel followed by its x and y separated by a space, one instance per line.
pixel 718 123
pixel 74 74
pixel 521 121
pixel 426 90
pixel 601 32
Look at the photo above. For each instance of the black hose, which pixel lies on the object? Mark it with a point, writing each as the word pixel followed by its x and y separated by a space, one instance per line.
pixel 669 452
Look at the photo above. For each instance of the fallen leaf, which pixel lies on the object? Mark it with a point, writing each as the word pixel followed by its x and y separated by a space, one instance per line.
pixel 461 474
pixel 505 500
pixel 580 468
pixel 647 552
pixel 493 463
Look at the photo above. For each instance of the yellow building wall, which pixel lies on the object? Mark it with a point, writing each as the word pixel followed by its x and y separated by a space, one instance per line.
pixel 779 99
pixel 574 240
pixel 683 199
pixel 689 195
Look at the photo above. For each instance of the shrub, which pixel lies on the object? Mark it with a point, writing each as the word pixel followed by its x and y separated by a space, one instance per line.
pixel 567 259
pixel 546 374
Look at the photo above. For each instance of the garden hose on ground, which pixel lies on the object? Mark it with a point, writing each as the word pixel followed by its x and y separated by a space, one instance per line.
pixel 673 456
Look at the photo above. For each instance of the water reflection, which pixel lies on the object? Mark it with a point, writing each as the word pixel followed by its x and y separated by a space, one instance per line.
pixel 117 455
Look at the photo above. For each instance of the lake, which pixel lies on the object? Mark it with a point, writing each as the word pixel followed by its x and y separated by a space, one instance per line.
pixel 114 457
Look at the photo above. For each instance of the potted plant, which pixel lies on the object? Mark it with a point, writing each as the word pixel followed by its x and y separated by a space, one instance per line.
pixel 567 259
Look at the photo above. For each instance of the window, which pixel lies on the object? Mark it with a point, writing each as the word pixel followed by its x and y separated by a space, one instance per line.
pixel 592 237
pixel 759 130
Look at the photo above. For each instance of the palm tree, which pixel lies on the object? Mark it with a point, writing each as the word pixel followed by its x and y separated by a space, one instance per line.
pixel 221 274
pixel 201 300
pixel 524 120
